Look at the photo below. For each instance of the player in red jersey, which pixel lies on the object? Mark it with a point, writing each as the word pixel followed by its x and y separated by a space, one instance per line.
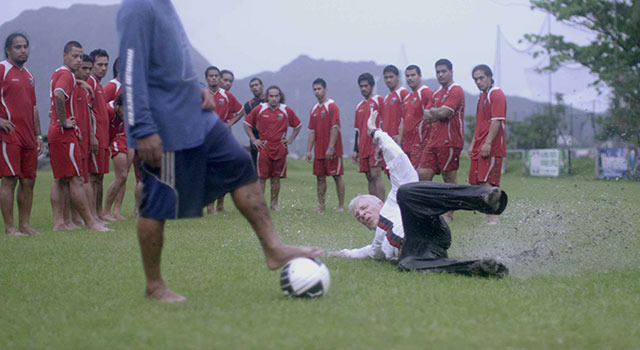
pixel 488 146
pixel 99 161
pixel 19 135
pixel 113 88
pixel 64 146
pixel 446 115
pixel 272 119
pixel 365 153
pixel 392 107
pixel 324 134
pixel 415 131
pixel 226 108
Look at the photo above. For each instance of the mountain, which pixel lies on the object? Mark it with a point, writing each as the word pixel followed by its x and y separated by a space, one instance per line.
pixel 94 27
pixel 49 29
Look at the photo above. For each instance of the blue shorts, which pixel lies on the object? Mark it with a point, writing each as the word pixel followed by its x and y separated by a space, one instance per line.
pixel 190 179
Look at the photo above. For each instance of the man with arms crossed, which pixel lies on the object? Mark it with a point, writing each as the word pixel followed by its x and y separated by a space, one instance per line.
pixel 445 113
pixel 415 130
pixel 19 135
pixel 226 106
pixel 64 145
pixel 365 153
pixel 272 119
pixel 488 146
pixel 189 157
pixel 324 134
pixel 408 224
pixel 392 108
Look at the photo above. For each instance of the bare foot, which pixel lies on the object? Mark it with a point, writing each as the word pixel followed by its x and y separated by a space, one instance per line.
pixel 276 258
pixel 211 209
pixel 164 295
pixel 135 213
pixel 222 210
pixel 275 207
pixel 493 198
pixel 72 226
pixel 106 218
pixel 340 210
pixel 99 228
pixel 28 230
pixel 319 209
pixel 66 227
pixel 448 217
pixel 119 217
pixel 14 232
pixel 493 220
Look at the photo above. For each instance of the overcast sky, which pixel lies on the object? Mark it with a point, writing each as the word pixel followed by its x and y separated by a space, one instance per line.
pixel 250 36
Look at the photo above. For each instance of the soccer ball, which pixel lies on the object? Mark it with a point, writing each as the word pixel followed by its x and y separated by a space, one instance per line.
pixel 305 278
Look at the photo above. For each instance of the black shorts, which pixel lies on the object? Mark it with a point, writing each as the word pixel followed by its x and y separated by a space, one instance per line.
pixel 190 179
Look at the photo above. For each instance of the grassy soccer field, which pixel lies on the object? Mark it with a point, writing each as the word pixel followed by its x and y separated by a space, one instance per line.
pixel 571 243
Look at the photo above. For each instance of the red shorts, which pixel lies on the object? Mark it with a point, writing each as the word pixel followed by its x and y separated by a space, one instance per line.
pixel 99 162
pixel 365 164
pixel 485 170
pixel 66 159
pixel 440 159
pixel 326 167
pixel 84 168
pixel 118 145
pixel 414 154
pixel 18 161
pixel 271 167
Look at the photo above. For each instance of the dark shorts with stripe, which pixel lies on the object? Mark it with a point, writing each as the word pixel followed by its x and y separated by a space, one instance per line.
pixel 190 179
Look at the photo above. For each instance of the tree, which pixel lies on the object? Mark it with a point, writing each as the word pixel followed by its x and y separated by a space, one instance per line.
pixel 538 130
pixel 614 55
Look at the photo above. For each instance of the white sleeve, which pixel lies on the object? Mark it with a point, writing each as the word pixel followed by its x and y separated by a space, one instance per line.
pixel 371 251
pixel 400 169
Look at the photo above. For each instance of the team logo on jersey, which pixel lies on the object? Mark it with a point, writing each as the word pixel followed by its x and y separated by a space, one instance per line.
pixel 414 100
pixel 371 105
pixel 280 116
pixel 393 100
pixel 323 114
pixel 220 101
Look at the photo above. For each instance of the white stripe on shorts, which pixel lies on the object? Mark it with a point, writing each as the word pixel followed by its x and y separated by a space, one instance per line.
pixel 448 160
pixel 493 162
pixel 6 158
pixel 72 147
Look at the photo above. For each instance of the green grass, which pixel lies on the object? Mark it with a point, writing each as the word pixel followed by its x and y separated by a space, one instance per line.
pixel 571 244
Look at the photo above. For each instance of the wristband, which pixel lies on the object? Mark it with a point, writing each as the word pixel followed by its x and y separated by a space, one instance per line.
pixel 330 149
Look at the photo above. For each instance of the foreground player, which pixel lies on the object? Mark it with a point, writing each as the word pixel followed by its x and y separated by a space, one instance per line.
pixel 415 131
pixel 272 119
pixel 19 135
pixel 64 145
pixel 324 134
pixel 365 153
pixel 408 225
pixel 392 107
pixel 488 146
pixel 441 155
pixel 189 157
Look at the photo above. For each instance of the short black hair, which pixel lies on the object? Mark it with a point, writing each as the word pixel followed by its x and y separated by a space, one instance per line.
pixel 206 71
pixel 254 79
pixel 414 67
pixel 391 69
pixel 9 41
pixel 87 58
pixel 321 82
pixel 484 68
pixel 368 77
pixel 70 45
pixel 444 62
pixel 98 53
pixel 115 67
pixel 227 71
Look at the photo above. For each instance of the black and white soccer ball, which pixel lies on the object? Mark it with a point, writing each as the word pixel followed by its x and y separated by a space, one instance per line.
pixel 305 278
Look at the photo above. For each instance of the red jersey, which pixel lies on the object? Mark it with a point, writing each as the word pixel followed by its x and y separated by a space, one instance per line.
pixel 491 106
pixel 272 126
pixel 363 110
pixel 393 110
pixel 322 119
pixel 112 90
pixel 17 101
pixel 82 115
pixel 415 131
pixel 449 132
pixel 99 107
pixel 226 104
pixel 116 124
pixel 62 80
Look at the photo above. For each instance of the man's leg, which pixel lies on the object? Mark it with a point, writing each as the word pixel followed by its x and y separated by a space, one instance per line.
pixel 79 202
pixel 427 236
pixel 252 205
pixel 220 205
pixel 117 205
pixel 58 205
pixel 7 191
pixel 426 174
pixel 449 177
pixel 376 186
pixel 340 191
pixel 275 192
pixel 321 182
pixel 263 184
pixel 491 218
pixel 25 202
pixel 151 239
pixel 121 171
pixel 137 195
pixel 91 202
